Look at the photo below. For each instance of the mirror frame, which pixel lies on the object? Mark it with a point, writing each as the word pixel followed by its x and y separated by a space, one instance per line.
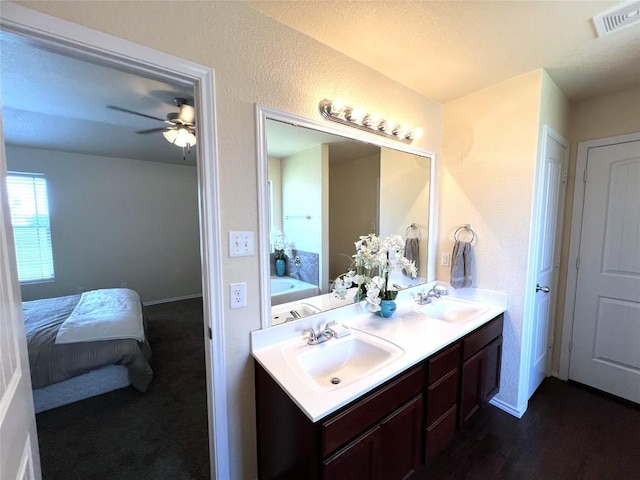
pixel 263 114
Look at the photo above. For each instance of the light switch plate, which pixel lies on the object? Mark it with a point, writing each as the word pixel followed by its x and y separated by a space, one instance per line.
pixel 241 244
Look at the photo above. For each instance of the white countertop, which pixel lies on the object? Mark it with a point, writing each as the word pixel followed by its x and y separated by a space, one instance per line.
pixel 418 335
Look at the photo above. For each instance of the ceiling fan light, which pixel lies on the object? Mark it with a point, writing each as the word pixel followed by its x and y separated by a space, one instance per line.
pixel 171 135
pixel 184 138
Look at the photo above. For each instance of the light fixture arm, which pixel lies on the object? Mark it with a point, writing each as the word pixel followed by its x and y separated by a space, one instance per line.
pixel 344 115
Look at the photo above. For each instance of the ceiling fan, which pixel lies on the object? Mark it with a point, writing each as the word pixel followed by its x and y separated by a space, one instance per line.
pixel 180 129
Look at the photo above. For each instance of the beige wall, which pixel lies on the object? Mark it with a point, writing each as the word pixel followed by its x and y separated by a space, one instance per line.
pixel 256 60
pixel 353 207
pixel 275 177
pixel 605 116
pixel 405 181
pixel 302 197
pixel 485 179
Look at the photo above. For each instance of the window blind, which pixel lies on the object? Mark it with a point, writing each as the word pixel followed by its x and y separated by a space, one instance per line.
pixel 31 228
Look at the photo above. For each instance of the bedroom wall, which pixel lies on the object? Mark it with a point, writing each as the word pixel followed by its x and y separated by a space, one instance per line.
pixel 256 60
pixel 117 220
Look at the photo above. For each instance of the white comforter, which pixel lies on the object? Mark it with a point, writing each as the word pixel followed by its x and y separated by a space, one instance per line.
pixel 108 314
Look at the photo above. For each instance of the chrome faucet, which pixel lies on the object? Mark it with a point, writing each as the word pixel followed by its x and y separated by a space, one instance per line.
pixel 316 338
pixel 424 298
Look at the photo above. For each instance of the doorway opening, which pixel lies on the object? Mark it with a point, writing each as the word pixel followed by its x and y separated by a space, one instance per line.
pixel 84 44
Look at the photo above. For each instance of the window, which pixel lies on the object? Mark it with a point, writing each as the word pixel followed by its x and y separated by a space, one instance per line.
pixel 31 230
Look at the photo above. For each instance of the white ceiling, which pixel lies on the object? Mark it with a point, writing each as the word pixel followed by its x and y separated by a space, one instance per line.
pixel 448 49
pixel 55 102
pixel 443 49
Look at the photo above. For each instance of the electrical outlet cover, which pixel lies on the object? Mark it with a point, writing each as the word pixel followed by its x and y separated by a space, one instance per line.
pixel 237 295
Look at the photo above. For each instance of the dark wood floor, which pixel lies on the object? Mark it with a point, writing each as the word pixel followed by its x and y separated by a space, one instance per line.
pixel 568 433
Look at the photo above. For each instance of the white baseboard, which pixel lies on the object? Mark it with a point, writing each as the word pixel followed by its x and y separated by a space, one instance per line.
pixel 174 299
pixel 505 407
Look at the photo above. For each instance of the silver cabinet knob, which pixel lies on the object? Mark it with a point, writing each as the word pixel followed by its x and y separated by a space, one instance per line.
pixel 542 289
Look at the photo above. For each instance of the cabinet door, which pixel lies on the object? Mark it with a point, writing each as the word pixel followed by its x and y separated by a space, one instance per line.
pixel 389 451
pixel 356 460
pixel 472 388
pixel 401 442
pixel 492 361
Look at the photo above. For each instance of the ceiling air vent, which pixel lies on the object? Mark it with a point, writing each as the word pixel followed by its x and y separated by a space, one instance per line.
pixel 617 19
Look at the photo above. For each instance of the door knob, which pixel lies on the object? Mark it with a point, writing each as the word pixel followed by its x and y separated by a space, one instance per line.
pixel 542 289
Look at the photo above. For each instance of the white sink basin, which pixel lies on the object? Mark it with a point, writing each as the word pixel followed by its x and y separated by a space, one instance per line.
pixel 453 311
pixel 282 313
pixel 339 361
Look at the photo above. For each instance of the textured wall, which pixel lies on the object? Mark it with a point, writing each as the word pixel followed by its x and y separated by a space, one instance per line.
pixel 256 60
pixel 117 220
pixel 486 178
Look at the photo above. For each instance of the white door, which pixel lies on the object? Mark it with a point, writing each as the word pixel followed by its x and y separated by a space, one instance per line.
pixel 605 348
pixel 19 457
pixel 550 198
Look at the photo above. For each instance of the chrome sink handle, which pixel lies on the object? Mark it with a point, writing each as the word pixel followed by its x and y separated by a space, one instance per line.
pixel 423 298
pixel 327 327
pixel 316 338
pixel 313 337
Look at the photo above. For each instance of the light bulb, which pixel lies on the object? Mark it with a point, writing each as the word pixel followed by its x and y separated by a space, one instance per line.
pixel 402 131
pixel 357 114
pixel 180 137
pixel 375 120
pixel 337 107
pixel 170 135
pixel 389 127
pixel 416 133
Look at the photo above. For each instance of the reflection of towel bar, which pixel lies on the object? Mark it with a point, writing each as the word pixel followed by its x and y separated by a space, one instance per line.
pixel 412 228
pixel 297 217
pixel 466 228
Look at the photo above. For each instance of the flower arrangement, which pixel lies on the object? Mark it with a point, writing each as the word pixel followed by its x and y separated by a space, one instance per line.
pixel 374 260
pixel 281 246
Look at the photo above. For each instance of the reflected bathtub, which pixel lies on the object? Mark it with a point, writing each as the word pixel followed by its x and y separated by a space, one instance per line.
pixel 288 289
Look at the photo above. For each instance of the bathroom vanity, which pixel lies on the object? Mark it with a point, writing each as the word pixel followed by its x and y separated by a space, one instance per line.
pixel 385 423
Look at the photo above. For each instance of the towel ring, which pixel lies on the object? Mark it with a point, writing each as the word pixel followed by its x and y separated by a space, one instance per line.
pixel 412 228
pixel 466 228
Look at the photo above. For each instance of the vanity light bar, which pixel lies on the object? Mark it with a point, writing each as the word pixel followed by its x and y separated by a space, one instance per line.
pixel 373 123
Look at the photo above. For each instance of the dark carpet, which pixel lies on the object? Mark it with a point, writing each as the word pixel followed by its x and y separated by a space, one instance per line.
pixel 568 433
pixel 125 434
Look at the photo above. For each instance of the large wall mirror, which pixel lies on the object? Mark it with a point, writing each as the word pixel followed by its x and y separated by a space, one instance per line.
pixel 321 187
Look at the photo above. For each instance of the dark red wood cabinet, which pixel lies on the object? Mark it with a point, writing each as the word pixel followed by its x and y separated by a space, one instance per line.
pixel 442 399
pixel 388 433
pixel 482 355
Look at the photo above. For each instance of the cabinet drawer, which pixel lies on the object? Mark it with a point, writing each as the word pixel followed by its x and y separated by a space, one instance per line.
pixel 481 337
pixel 442 395
pixel 356 418
pixel 442 363
pixel 441 433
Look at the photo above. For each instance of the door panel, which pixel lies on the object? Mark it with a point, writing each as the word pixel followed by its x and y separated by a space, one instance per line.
pixel 606 331
pixel 550 197
pixel 19 457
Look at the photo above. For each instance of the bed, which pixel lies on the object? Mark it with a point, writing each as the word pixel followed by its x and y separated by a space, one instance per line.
pixel 85 345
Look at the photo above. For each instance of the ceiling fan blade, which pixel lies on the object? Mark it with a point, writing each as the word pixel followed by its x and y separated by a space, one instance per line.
pixel 151 130
pixel 120 109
